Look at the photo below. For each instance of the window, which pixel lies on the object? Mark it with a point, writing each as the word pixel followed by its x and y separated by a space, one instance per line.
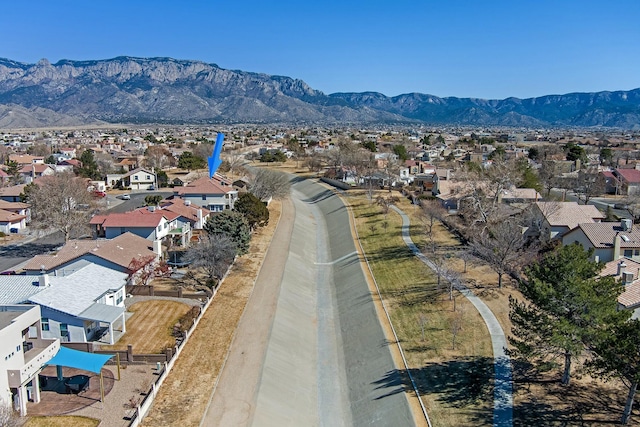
pixel 166 224
pixel 628 253
pixel 64 332
pixel 160 227
pixel 119 298
pixel 45 324
pixel 148 177
pixel 636 252
pixel 204 197
pixel 135 177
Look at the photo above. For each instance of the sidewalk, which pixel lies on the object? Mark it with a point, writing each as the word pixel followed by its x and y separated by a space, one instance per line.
pixel 503 388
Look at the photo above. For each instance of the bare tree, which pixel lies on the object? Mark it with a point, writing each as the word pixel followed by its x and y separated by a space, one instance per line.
pixel 590 183
pixel 158 157
pixel 61 202
pixel 266 183
pixel 213 255
pixel 501 246
pixel 456 327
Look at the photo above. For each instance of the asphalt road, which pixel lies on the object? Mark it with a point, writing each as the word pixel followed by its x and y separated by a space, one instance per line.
pixel 12 256
pixel 601 203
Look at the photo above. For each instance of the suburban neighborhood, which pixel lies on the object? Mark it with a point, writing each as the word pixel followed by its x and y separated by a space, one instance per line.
pixel 141 220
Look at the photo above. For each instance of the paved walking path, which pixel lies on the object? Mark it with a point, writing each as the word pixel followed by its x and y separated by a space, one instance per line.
pixel 503 390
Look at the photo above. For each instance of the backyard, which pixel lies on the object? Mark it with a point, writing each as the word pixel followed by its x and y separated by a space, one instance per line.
pixel 149 330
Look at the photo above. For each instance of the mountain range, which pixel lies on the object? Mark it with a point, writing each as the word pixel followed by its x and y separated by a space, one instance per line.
pixel 166 90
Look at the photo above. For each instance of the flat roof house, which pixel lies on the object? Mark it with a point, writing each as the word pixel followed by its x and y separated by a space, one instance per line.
pixel 24 353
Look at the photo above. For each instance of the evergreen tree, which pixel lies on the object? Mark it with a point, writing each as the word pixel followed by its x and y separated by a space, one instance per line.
pixel 254 210
pixel 566 304
pixel 617 353
pixel 89 168
pixel 233 225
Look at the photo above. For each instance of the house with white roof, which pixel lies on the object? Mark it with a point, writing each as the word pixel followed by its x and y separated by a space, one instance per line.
pixel 81 306
pixel 24 352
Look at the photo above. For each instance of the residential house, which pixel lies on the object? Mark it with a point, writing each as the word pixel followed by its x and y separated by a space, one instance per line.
pixel 12 194
pixel 610 240
pixel 139 179
pixel 196 216
pixel 25 352
pixel 519 195
pixel 627 271
pixel 115 254
pixel 33 171
pixel 629 181
pixel 26 159
pixel 11 221
pixel 84 305
pixel 216 194
pixel 151 223
pixel 555 219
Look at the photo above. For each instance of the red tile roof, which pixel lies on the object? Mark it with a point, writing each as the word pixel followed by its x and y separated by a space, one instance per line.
pixel 629 175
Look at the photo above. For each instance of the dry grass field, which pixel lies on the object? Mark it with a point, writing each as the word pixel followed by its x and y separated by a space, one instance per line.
pixel 61 421
pixel 542 401
pixel 149 329
pixel 449 352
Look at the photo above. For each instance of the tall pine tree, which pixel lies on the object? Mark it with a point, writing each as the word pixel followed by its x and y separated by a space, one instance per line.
pixel 566 306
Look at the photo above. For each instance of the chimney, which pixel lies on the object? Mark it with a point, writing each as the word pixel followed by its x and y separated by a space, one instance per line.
pixel 617 241
pixel 43 281
pixel 627 278
pixel 151 208
pixel 187 202
pixel 199 224
pixel 621 267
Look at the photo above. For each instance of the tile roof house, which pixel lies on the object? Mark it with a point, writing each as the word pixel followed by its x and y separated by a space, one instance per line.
pixel 629 181
pixel 26 159
pixel 139 179
pixel 35 170
pixel 116 254
pixel 215 194
pixel 12 194
pixel 609 240
pixel 628 272
pixel 151 223
pixel 557 218
pixel 195 215
pixel 11 220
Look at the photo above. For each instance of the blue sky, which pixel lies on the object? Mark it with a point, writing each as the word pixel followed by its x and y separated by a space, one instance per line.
pixel 484 49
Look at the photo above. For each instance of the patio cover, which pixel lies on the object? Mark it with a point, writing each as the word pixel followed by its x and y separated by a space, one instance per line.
pixel 70 358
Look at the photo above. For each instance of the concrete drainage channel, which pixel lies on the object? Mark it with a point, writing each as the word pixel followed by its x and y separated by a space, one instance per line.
pixel 327 362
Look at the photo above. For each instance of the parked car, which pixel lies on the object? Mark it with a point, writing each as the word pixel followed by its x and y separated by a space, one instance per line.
pixel 13 230
pixel 126 197
pixel 99 193
pixel 151 187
